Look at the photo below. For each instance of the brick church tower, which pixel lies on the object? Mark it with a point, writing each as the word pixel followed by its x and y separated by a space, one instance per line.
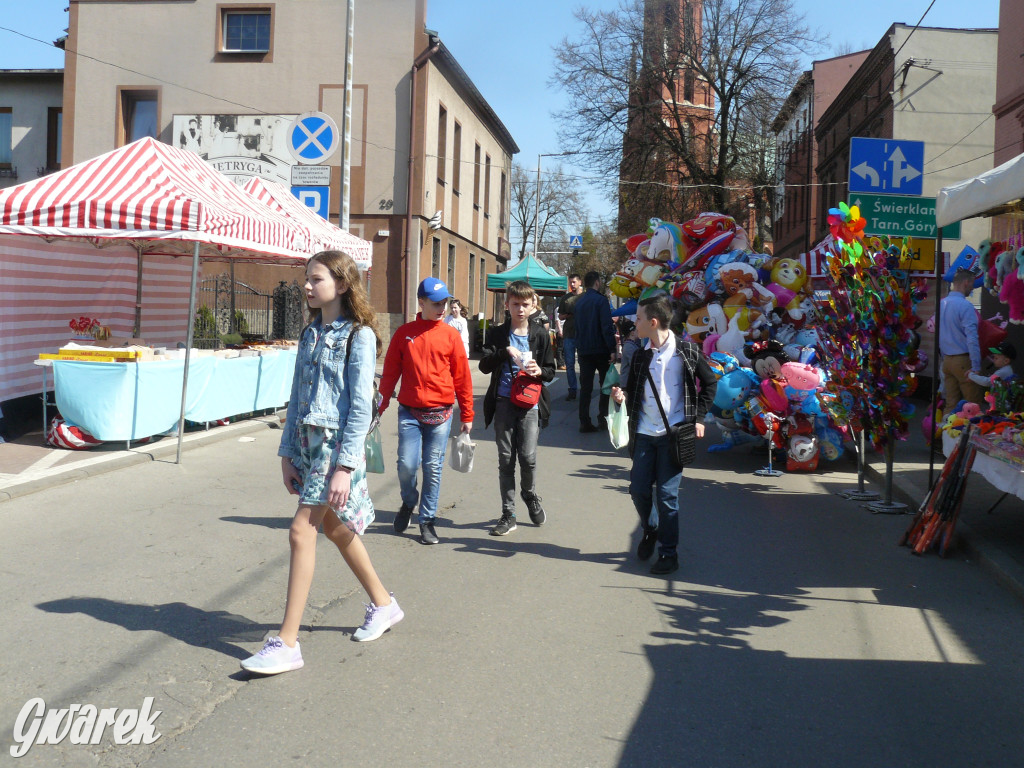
pixel 671 119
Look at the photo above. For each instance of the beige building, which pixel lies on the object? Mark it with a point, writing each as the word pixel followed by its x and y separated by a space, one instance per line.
pixel 227 80
pixel 30 124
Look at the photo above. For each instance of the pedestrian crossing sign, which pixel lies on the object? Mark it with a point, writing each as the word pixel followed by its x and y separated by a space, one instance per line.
pixel 575 241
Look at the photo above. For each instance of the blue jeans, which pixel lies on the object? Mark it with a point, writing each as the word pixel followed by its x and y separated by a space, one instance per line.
pixel 569 351
pixel 421 445
pixel 654 478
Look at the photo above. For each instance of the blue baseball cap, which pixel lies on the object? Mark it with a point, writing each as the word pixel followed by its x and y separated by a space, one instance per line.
pixel 433 289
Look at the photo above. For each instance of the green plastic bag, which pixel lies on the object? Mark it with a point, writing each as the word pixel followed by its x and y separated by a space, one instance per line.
pixel 618 424
pixel 374 452
pixel 611 379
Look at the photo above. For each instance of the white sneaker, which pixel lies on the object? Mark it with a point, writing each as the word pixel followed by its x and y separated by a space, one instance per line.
pixel 274 658
pixel 378 620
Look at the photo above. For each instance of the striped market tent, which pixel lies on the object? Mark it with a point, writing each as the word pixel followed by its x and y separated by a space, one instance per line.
pixel 325 236
pixel 105 238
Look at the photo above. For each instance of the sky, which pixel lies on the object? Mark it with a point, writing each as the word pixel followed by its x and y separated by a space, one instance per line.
pixel 507 49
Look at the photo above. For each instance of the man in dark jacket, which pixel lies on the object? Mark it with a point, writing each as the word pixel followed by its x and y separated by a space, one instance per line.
pixel 595 347
pixel 666 373
pixel 518 345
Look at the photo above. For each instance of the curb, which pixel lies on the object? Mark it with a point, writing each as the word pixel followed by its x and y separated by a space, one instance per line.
pixel 989 556
pixel 143 455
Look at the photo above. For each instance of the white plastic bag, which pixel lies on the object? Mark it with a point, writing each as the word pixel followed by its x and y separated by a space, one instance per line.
pixel 618 424
pixel 461 453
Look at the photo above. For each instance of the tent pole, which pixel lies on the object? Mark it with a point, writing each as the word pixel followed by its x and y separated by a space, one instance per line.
pixel 138 295
pixel 939 263
pixel 188 346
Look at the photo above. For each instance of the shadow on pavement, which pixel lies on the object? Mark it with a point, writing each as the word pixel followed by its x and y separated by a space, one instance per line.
pixel 214 630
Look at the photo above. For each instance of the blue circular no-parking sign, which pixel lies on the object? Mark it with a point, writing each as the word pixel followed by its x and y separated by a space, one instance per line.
pixel 313 137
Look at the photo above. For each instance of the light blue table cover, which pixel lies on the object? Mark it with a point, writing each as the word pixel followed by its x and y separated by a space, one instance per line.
pixel 129 401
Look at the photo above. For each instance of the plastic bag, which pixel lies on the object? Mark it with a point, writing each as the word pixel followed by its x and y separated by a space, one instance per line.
pixel 618 424
pixel 461 453
pixel 374 452
pixel 611 379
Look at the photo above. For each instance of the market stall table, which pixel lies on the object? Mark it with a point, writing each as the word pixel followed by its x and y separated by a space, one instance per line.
pixel 130 401
pixel 999 461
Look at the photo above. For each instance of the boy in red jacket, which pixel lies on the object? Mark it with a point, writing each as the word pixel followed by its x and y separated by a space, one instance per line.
pixel 430 359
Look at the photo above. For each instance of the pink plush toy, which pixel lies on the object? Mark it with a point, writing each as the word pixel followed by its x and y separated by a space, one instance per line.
pixel 1012 293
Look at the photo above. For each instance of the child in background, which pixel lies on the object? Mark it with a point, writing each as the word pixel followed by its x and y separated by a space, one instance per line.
pixel 322 452
pixel 1003 355
pixel 517 345
pixel 455 319
pixel 428 356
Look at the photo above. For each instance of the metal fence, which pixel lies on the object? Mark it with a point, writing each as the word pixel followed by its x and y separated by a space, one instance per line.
pixel 228 308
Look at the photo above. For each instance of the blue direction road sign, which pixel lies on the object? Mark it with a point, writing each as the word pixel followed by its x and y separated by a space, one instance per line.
pixel 886 165
pixel 575 241
pixel 317 198
pixel 313 137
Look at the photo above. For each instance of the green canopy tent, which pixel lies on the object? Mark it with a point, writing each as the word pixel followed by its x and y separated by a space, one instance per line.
pixel 541 278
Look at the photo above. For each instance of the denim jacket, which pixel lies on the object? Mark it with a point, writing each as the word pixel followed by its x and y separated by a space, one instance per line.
pixel 328 393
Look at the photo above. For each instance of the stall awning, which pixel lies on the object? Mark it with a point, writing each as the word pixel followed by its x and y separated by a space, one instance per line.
pixel 991 192
pixel 541 278
pixel 159 198
pixel 324 236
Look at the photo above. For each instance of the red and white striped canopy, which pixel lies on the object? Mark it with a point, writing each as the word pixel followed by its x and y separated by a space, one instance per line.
pixel 324 236
pixel 161 199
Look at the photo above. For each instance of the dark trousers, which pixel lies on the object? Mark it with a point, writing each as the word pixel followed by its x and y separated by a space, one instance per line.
pixel 589 365
pixel 655 479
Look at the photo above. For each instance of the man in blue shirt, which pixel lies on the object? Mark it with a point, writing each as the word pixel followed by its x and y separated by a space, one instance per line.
pixel 958 342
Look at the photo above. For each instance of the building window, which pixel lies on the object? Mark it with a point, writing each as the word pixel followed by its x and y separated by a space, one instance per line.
pixel 487 186
pixel 456 156
pixel 483 285
pixel 472 284
pixel 501 213
pixel 246 31
pixel 139 115
pixel 442 142
pixel 476 177
pixel 54 126
pixel 451 267
pixel 6 141
pixel 689 80
pixel 435 259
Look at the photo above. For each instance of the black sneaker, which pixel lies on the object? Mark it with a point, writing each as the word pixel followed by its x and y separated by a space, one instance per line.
pixel 602 424
pixel 402 518
pixel 588 427
pixel 537 514
pixel 505 526
pixel 645 548
pixel 571 395
pixel 427 535
pixel 665 564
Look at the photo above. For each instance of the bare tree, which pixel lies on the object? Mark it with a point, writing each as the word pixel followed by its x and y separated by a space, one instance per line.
pixel 561 208
pixel 667 98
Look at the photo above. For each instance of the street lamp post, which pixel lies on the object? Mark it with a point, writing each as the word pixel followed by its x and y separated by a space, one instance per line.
pixel 536 208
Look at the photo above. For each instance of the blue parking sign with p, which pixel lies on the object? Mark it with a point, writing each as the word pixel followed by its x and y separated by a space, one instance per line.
pixel 316 198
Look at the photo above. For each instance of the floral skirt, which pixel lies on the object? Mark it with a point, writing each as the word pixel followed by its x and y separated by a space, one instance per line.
pixel 318 454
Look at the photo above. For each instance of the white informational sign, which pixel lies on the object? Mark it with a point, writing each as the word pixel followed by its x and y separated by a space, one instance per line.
pixel 239 146
pixel 313 137
pixel 311 175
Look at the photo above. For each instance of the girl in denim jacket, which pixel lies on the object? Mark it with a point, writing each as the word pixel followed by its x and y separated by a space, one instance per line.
pixel 322 451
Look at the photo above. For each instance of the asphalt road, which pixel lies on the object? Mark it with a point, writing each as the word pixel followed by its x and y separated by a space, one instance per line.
pixel 795 633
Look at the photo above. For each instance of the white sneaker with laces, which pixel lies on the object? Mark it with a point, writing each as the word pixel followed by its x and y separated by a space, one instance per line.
pixel 274 658
pixel 378 620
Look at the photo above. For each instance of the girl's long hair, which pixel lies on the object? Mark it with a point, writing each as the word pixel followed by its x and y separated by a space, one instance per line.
pixel 355 304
